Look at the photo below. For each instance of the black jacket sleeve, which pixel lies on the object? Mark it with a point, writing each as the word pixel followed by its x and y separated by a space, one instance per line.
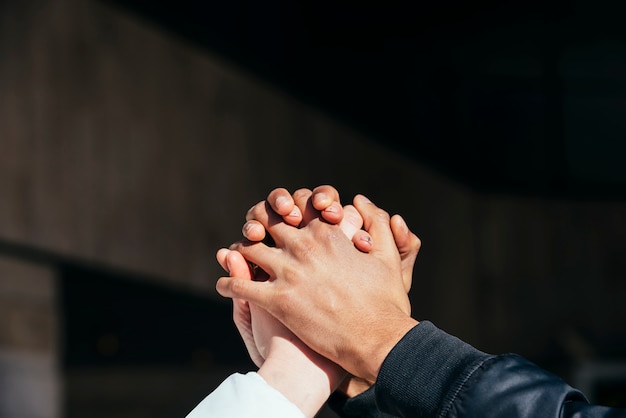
pixel 362 406
pixel 432 374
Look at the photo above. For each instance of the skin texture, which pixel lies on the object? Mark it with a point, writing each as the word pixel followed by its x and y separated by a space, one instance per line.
pixel 325 200
pixel 271 346
pixel 278 352
pixel 280 200
pixel 321 285
pixel 305 205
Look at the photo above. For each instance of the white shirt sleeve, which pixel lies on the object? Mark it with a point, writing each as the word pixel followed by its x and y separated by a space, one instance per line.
pixel 245 396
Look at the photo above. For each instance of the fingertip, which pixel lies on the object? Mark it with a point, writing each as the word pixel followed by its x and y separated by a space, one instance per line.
pixel 364 206
pixel 234 256
pixel 376 222
pixel 280 201
pixel 333 213
pixel 362 241
pixel 403 236
pixel 324 196
pixel 294 217
pixel 222 253
pixel 222 286
pixel 301 198
pixel 321 201
pixel 369 211
pixel 221 256
pixel 253 231
pixel 237 265
pixel 282 205
pixel 359 198
pixel 255 210
pixel 399 227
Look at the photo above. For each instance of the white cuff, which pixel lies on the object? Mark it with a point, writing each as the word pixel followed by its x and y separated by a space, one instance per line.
pixel 245 396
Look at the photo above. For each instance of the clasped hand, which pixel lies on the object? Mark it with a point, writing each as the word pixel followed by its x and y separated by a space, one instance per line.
pixel 337 283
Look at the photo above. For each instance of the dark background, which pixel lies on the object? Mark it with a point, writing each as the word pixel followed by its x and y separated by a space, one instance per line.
pixel 517 98
pixel 135 134
pixel 504 96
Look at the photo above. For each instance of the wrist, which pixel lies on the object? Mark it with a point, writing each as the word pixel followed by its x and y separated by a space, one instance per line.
pixel 303 376
pixel 352 386
pixel 374 352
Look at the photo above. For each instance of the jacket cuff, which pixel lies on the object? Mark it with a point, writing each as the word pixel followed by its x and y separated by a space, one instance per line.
pixel 422 370
pixel 361 406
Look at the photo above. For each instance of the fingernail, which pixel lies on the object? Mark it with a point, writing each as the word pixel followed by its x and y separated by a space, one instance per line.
pixel 367 239
pixel 331 209
pixel 246 229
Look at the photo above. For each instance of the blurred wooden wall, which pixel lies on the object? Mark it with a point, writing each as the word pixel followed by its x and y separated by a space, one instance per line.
pixel 123 145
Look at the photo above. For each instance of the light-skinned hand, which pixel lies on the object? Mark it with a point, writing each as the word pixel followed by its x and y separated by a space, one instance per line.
pixel 284 361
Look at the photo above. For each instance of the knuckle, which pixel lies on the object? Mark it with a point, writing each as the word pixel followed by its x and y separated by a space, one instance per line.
pixel 382 215
pixel 286 302
pixel 280 195
pixel 327 189
pixel 329 234
pixel 306 247
pixel 255 212
pixel 236 246
pixel 302 193
pixel 237 287
pixel 280 191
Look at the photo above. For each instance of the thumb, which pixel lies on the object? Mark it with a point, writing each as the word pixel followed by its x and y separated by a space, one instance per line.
pixel 238 266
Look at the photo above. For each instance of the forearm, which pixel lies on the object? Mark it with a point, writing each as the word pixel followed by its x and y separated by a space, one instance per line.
pixel 245 396
pixel 302 376
pixel 433 374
